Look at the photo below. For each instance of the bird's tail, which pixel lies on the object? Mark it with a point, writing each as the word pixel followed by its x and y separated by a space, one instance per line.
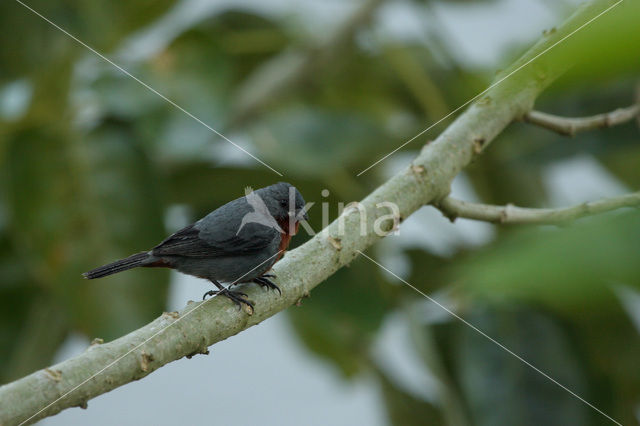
pixel 133 261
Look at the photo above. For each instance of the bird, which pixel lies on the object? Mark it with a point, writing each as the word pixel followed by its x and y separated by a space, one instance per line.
pixel 260 213
pixel 233 244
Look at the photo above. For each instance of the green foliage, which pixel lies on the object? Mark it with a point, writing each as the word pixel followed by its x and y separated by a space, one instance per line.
pixel 570 269
pixel 406 409
pixel 519 395
pixel 341 318
pixel 309 136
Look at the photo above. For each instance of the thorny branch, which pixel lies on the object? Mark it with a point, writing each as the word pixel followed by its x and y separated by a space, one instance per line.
pixel 510 214
pixel 569 126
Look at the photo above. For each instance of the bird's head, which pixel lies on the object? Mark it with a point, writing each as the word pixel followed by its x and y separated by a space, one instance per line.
pixel 283 201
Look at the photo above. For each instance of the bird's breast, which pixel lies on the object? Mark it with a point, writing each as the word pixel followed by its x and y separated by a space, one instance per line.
pixel 285 237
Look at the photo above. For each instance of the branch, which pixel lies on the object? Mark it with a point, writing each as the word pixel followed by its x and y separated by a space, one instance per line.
pixel 201 324
pixel 569 126
pixel 510 214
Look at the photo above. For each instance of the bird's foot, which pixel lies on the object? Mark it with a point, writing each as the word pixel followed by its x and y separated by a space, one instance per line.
pixel 268 276
pixel 236 297
pixel 264 281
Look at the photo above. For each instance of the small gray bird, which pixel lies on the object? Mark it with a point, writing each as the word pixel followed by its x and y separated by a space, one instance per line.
pixel 229 244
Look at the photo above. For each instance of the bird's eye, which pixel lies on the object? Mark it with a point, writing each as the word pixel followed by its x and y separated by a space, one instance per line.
pixel 283 203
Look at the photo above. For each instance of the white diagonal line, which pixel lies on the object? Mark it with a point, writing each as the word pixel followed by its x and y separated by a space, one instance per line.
pixel 500 345
pixel 148 87
pixel 493 85
pixel 138 346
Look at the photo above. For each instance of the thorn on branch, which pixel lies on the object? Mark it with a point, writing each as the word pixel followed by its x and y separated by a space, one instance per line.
pixel 504 213
pixel 478 144
pixel 174 315
pixel 446 212
pixel 336 243
pixel 145 360
pixel 305 295
pixel 417 169
pixel 452 217
pixel 201 351
pixel 486 100
pixel 55 375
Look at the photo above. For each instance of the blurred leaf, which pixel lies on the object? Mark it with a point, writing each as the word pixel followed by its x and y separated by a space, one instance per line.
pixel 72 206
pixel 316 143
pixel 185 184
pixel 340 319
pixel 427 271
pixel 35 340
pixel 570 269
pixel 605 48
pixel 436 359
pixel 623 162
pixel 505 175
pixel 267 83
pixel 518 394
pixel 419 82
pixel 31 325
pixel 406 409
pixel 33 42
pixel 611 346
pixel 124 215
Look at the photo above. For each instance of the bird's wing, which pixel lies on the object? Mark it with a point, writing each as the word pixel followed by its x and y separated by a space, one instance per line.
pixel 191 242
pixel 185 242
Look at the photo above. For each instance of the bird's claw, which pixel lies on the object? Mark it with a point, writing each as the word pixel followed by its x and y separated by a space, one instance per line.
pixel 236 297
pixel 264 281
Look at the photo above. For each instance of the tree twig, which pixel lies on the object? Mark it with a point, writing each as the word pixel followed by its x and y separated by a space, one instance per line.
pixel 199 325
pixel 510 214
pixel 569 126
